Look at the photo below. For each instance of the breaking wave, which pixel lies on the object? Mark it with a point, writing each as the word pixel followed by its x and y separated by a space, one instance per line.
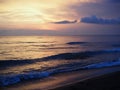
pixel 32 74
pixel 12 79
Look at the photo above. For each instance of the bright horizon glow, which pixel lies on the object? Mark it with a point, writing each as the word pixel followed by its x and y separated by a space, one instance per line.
pixel 35 13
pixel 56 15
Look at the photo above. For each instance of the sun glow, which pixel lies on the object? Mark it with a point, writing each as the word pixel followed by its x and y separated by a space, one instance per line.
pixel 27 11
pixel 37 14
pixel 27 14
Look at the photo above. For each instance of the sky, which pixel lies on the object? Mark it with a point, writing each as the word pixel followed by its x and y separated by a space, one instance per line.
pixel 58 17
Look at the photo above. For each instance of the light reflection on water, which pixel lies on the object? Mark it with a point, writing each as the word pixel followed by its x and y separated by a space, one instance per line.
pixel 39 66
pixel 30 47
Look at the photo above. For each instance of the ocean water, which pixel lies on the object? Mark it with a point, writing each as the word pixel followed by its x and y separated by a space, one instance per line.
pixel 31 57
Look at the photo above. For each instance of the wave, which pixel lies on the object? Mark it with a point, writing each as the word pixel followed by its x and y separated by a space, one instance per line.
pixel 8 63
pixel 104 64
pixel 80 55
pixel 63 48
pixel 63 56
pixel 12 79
pixel 95 43
pixel 76 43
pixel 69 56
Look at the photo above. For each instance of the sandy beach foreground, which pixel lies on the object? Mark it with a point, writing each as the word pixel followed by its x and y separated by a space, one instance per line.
pixel 94 79
pixel 105 82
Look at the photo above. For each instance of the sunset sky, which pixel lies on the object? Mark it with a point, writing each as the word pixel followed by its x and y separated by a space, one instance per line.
pixel 60 17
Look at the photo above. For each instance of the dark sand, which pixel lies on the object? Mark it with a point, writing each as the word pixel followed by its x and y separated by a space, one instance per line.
pixel 105 82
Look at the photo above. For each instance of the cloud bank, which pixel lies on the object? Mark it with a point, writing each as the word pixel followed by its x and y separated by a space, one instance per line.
pixel 65 22
pixel 99 20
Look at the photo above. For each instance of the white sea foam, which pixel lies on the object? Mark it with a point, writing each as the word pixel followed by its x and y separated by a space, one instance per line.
pixel 12 79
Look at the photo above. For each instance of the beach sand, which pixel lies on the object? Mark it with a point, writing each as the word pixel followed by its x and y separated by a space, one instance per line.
pixel 93 79
pixel 105 82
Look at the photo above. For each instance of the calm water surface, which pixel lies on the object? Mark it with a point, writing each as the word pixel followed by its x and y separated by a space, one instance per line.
pixel 31 47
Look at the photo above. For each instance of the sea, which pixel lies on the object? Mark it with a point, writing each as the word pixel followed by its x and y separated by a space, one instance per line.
pixel 25 58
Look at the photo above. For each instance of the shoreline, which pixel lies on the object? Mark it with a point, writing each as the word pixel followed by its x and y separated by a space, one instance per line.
pixel 63 80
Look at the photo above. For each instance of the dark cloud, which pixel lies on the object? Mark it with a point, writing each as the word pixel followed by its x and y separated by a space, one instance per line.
pixel 65 22
pixel 99 20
